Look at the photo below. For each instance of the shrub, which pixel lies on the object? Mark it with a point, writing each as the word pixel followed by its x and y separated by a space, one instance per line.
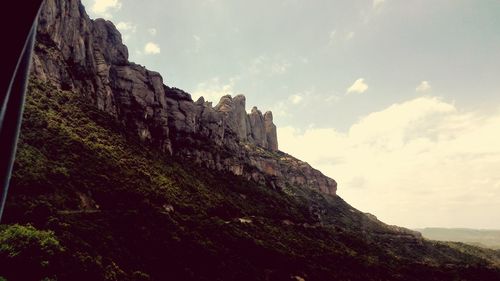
pixel 24 246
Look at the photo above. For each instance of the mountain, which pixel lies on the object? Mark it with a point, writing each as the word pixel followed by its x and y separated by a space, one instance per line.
pixel 87 57
pixel 121 177
pixel 479 237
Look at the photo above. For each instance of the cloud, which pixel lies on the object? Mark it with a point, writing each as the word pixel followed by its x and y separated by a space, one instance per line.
pixel 349 36
pixel 378 3
pixel 102 8
pixel 197 45
pixel 269 66
pixel 280 110
pixel 331 37
pixel 256 64
pixel 345 35
pixel 126 27
pixel 358 87
pixel 213 89
pixel 151 48
pixel 197 42
pixel 419 163
pixel 332 98
pixel 152 31
pixel 424 87
pixel 296 99
pixel 280 67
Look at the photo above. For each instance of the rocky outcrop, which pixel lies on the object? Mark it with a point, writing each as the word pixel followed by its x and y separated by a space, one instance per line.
pixel 259 133
pixel 78 54
pixel 271 133
pixel 87 56
pixel 225 137
pixel 235 116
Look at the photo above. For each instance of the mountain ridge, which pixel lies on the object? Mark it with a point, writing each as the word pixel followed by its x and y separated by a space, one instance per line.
pixel 87 56
pixel 120 177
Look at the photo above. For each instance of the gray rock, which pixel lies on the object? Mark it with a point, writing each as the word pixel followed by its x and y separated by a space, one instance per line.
pixel 258 128
pixel 271 133
pixel 88 57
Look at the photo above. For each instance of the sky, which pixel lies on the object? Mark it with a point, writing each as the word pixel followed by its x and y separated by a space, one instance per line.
pixel 399 101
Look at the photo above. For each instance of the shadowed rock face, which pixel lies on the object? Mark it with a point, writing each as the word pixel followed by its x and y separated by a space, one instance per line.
pixel 271 134
pixel 245 144
pixel 87 56
pixel 259 133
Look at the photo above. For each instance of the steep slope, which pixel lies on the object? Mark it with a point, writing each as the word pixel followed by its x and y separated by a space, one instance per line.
pixel 88 57
pixel 116 209
pixel 124 178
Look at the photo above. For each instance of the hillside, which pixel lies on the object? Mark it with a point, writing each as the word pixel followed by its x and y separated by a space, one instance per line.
pixel 479 237
pixel 120 177
pixel 121 211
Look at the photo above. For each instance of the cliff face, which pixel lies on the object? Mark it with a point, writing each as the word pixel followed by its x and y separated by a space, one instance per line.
pixel 95 204
pixel 88 57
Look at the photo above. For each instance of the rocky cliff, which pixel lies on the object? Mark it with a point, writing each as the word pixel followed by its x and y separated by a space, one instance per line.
pixel 120 177
pixel 88 57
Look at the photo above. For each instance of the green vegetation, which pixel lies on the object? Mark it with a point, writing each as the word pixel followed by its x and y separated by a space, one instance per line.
pixel 88 201
pixel 26 247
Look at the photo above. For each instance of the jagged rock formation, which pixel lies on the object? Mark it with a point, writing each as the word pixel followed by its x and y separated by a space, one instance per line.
pixel 87 56
pixel 78 54
pixel 271 133
pixel 258 129
pixel 118 210
pixel 245 144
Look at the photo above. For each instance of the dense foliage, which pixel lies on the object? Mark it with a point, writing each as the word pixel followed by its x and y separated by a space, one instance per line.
pixel 88 201
pixel 29 248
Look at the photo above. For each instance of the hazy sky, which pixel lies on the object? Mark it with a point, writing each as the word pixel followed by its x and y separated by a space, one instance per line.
pixel 397 100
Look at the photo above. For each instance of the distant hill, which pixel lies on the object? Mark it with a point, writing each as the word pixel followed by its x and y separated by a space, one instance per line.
pixel 478 237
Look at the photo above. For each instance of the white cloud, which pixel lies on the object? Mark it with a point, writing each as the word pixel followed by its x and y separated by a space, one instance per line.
pixel 332 98
pixel 126 27
pixel 280 67
pixel 213 89
pixel 103 8
pixel 378 3
pixel 280 110
pixel 151 48
pixel 331 37
pixel 424 87
pixel 296 99
pixel 269 66
pixel 256 64
pixel 283 107
pixel 334 36
pixel 349 36
pixel 197 42
pixel 418 163
pixel 358 87
pixel 152 31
